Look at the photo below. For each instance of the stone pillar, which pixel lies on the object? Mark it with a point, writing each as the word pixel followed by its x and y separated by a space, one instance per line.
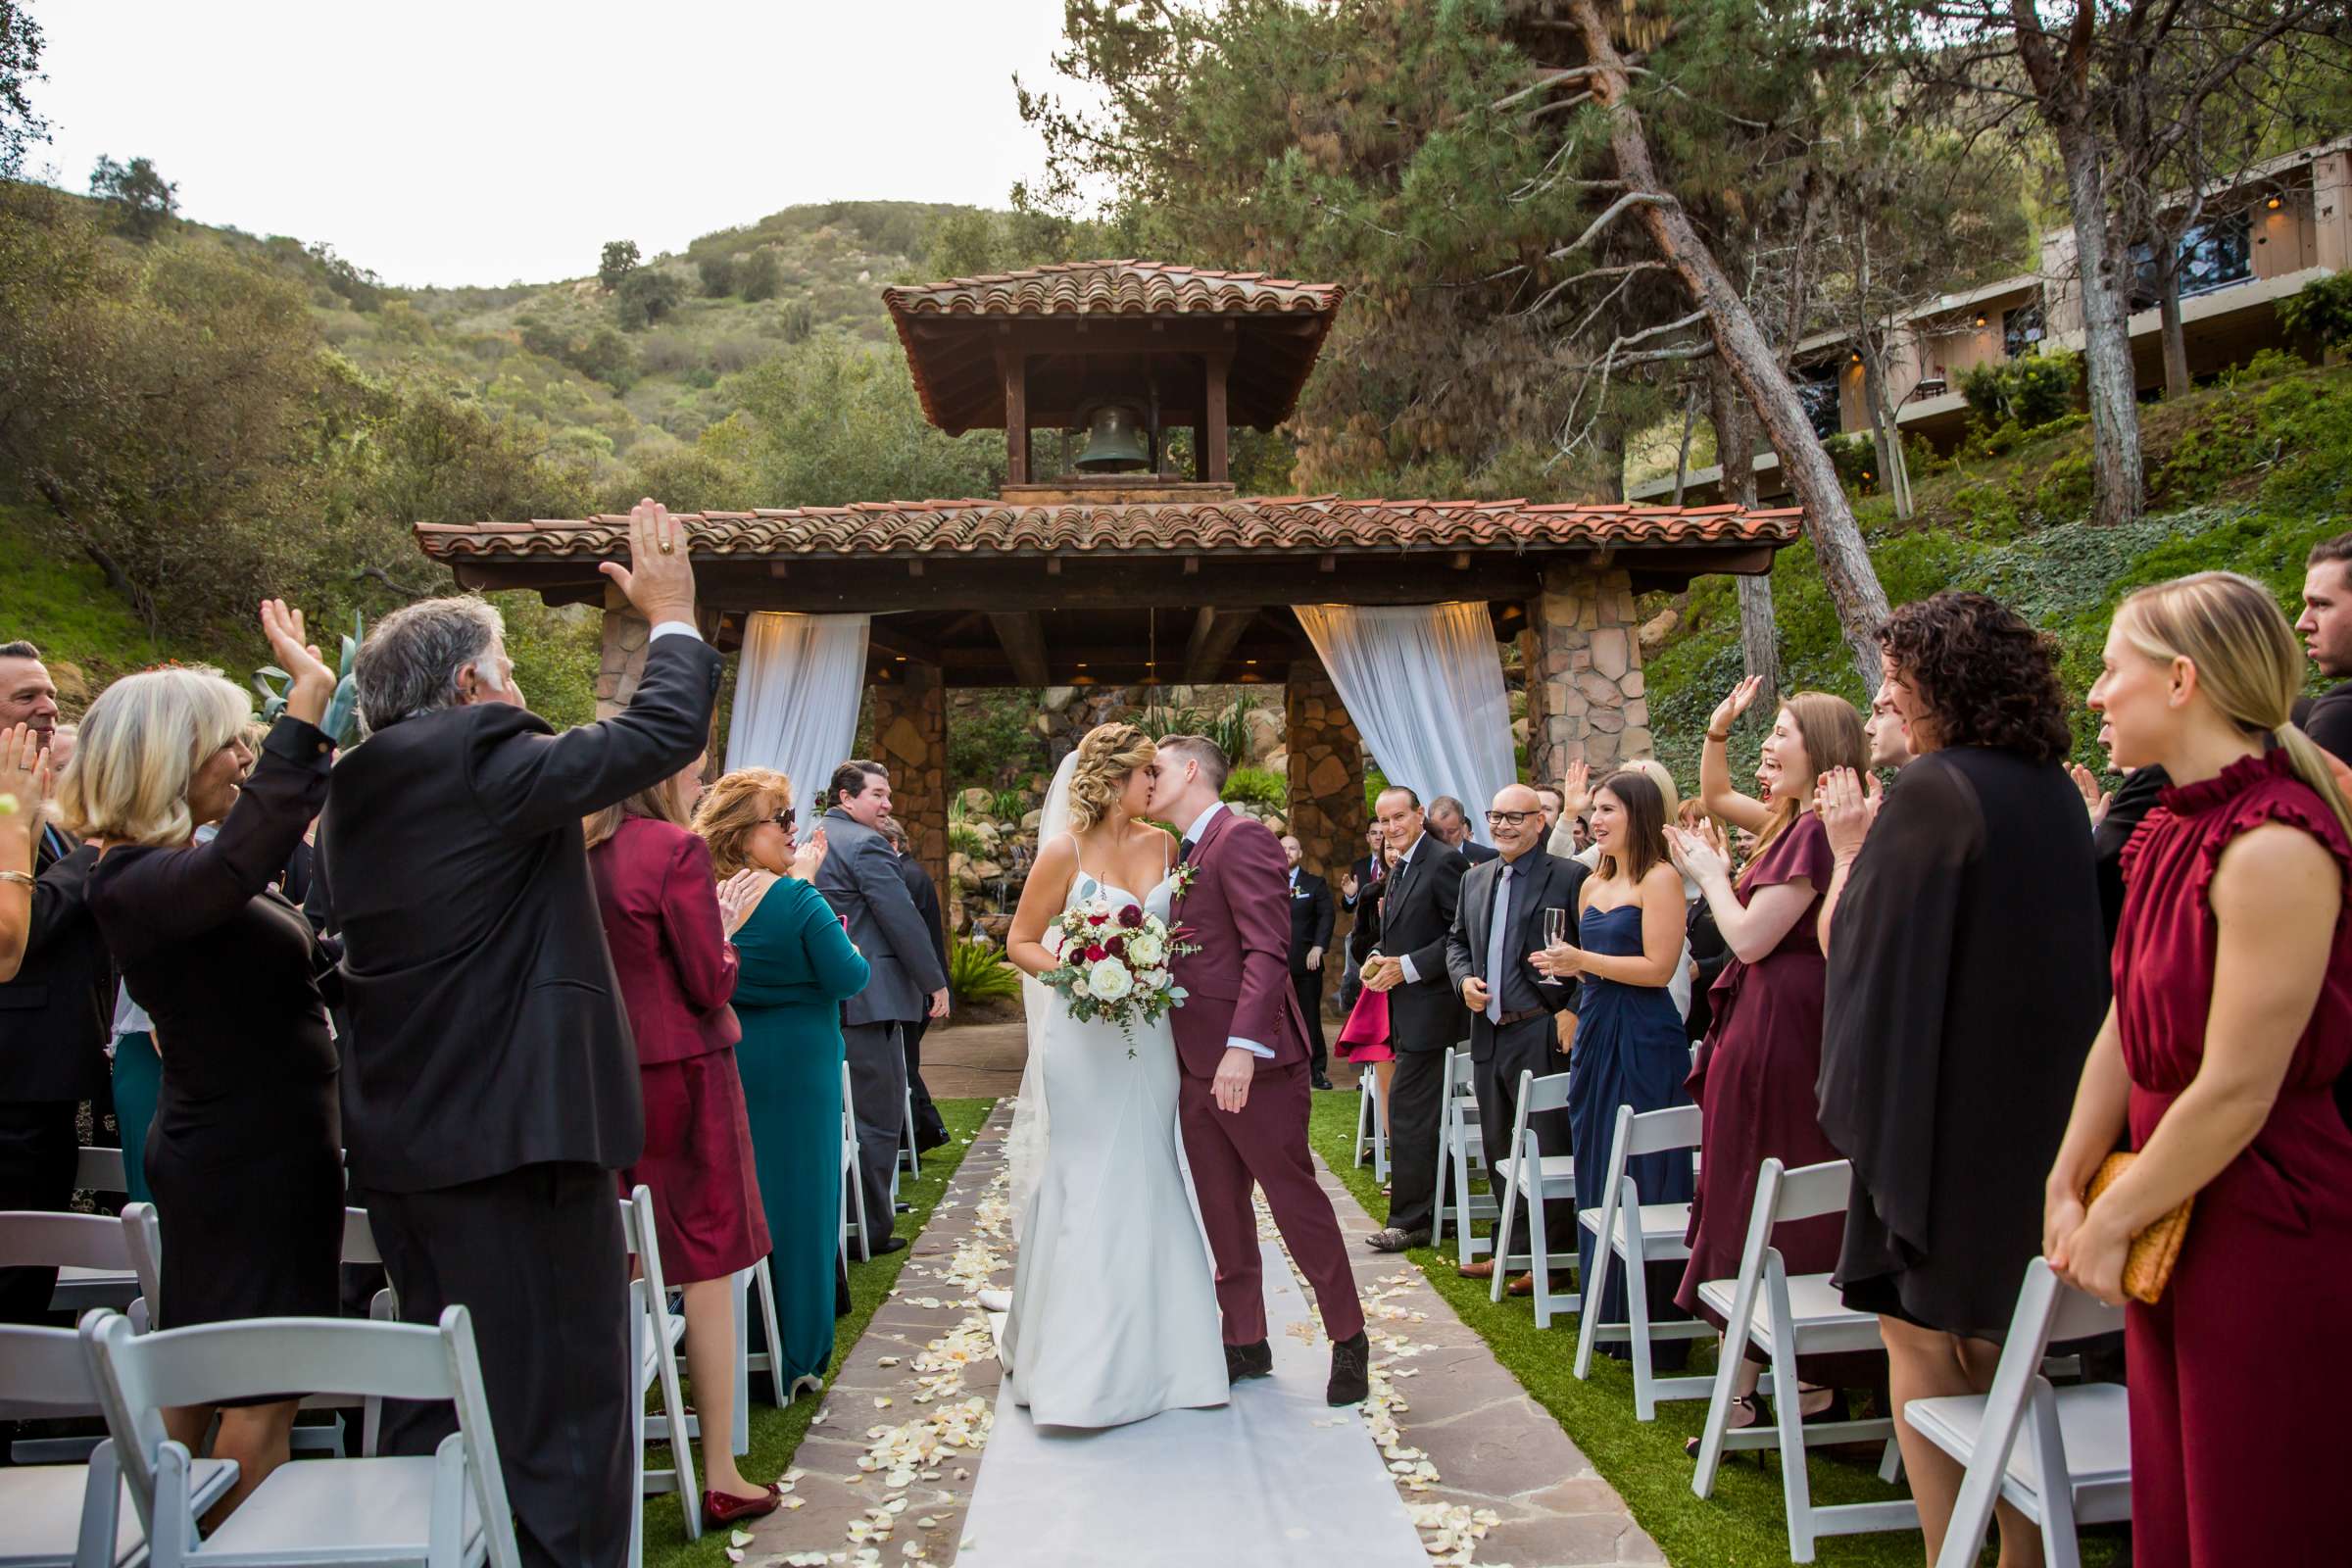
pixel 1326 773
pixel 621 661
pixel 1586 700
pixel 911 739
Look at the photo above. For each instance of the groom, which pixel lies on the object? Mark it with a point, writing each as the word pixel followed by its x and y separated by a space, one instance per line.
pixel 1243 1047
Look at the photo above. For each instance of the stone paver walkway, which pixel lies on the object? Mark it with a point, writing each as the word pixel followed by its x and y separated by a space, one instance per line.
pixel 1490 1474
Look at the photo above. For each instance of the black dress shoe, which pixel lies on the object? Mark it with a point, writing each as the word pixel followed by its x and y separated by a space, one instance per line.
pixel 1322 1082
pixel 1350 1371
pixel 1248 1361
pixel 890 1244
pixel 1394 1240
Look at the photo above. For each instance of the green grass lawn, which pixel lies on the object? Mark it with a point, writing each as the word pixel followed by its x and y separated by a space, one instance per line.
pixel 776 1434
pixel 1744 1522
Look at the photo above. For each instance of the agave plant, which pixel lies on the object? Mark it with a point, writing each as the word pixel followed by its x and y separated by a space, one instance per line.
pixel 340 722
pixel 978 972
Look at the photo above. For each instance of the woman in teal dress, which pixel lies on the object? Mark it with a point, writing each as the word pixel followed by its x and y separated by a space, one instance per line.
pixel 795 967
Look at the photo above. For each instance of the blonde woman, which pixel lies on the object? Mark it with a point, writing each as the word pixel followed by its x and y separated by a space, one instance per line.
pixel 1114 1309
pixel 244 1153
pixel 794 968
pixel 2232 1021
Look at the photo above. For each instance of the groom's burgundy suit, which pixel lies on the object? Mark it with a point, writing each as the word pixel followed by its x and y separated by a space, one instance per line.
pixel 1239 985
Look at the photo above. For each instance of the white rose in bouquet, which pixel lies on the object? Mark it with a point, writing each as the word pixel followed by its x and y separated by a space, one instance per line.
pixel 1152 979
pixel 1145 950
pixel 1110 980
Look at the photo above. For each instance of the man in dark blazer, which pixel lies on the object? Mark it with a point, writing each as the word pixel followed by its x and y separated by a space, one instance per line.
pixel 54 1015
pixel 1449 820
pixel 493 1078
pixel 1498 927
pixel 929 1131
pixel 1425 1012
pixel 860 881
pixel 1311 918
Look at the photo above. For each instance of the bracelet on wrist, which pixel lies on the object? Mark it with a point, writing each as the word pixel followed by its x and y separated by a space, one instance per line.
pixel 1720 740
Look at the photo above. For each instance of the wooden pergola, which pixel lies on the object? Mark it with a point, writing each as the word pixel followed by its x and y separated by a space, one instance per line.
pixel 1137 580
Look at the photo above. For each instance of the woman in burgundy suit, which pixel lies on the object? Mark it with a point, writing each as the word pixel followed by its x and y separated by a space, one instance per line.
pixel 2231 1022
pixel 664 926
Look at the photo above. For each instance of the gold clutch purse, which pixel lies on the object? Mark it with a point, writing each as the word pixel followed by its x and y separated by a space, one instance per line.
pixel 2148 1265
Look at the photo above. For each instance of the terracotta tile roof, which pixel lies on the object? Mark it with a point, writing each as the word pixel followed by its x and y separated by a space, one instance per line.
pixel 1286 523
pixel 1113 288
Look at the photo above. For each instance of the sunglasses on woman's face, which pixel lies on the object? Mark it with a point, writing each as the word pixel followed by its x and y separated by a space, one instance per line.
pixel 783 819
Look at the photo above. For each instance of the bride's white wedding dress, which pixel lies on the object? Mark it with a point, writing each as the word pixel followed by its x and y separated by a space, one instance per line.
pixel 1114 1308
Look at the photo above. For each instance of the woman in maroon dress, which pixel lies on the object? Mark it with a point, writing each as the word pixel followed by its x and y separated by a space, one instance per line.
pixel 1755 1072
pixel 677 971
pixel 2231 1022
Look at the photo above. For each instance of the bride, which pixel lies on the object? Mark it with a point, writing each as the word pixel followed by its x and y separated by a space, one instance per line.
pixel 1114 1308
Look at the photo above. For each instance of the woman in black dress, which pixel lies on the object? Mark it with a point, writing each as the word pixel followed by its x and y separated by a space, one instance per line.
pixel 244 1155
pixel 1966 978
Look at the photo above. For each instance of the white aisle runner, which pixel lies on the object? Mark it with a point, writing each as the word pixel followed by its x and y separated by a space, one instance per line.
pixel 1275 1477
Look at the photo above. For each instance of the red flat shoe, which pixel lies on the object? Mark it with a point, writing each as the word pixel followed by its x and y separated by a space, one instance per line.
pixel 720 1511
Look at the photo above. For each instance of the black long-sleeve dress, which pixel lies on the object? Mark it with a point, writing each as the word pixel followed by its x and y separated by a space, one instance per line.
pixel 1966 978
pixel 244 1155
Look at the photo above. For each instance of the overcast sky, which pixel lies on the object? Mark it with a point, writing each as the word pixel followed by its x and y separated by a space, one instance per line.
pixel 480 141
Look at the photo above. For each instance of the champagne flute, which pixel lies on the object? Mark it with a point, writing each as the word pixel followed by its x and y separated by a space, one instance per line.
pixel 1555 932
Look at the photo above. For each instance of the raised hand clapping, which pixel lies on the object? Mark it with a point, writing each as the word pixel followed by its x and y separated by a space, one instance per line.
pixel 1727 712
pixel 1846 807
pixel 1576 791
pixel 313 684
pixel 1696 856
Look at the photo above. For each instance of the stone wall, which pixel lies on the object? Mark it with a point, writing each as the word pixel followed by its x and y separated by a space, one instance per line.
pixel 910 740
pixel 1586 699
pixel 1326 770
pixel 621 660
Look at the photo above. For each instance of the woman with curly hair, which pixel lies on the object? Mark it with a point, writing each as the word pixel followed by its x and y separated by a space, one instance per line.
pixel 2233 1018
pixel 794 968
pixel 1967 976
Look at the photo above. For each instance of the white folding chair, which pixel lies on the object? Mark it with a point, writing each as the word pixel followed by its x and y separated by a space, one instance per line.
pixel 1532 1175
pixel 74 1513
pixel 446 1511
pixel 2075 1464
pixel 655 1334
pixel 1803 1315
pixel 911 1159
pixel 1631 1233
pixel 94 1269
pixel 853 1194
pixel 1461 1157
pixel 1371 1127
pixel 762 1279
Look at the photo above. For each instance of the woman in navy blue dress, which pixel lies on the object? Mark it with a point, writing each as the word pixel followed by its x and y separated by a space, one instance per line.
pixel 1630 1045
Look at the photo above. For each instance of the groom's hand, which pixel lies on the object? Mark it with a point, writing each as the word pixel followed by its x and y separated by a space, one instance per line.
pixel 1230 1088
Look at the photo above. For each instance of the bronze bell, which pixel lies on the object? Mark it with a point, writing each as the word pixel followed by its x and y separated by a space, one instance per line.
pixel 1114 441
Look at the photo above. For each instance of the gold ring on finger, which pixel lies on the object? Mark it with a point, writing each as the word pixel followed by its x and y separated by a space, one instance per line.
pixel 668 548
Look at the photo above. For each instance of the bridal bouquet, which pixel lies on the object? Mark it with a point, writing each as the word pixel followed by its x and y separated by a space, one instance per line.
pixel 1115 963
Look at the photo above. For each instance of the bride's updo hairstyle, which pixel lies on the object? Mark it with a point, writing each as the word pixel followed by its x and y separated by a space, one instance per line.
pixel 1105 757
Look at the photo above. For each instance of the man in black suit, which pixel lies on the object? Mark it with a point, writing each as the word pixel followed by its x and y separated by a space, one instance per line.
pixel 1311 918
pixel 1449 820
pixel 1425 1012
pixel 54 1015
pixel 1360 884
pixel 494 1078
pixel 1498 928
pixel 929 1131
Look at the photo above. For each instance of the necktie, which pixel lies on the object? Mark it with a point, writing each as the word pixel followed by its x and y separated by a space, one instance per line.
pixel 1184 851
pixel 1494 937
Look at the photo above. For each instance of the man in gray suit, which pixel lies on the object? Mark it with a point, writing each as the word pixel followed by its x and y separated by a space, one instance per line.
pixel 859 878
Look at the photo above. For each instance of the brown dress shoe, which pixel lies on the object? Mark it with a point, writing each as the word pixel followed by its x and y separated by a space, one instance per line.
pixel 1483 1269
pixel 1525 1284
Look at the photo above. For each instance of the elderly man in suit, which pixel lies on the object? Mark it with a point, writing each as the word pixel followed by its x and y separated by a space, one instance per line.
pixel 860 881
pixel 492 1080
pixel 1425 1013
pixel 54 1015
pixel 1499 926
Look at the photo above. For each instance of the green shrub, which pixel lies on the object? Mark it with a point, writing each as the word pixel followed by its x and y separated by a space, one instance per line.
pixel 2029 391
pixel 1258 786
pixel 2263 366
pixel 2320 310
pixel 978 972
pixel 965 840
pixel 1231 729
pixel 645 296
pixel 1010 805
pixel 719 275
pixel 755 275
pixel 1855 457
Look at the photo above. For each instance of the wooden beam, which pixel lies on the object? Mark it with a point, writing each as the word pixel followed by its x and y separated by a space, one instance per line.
pixel 1022 635
pixel 1215 632
pixel 896 640
pixel 1213 417
pixel 1015 368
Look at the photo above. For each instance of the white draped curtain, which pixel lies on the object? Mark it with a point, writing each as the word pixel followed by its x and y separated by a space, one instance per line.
pixel 1424 685
pixel 797 691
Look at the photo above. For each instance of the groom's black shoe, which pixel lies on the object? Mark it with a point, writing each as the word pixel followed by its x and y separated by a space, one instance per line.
pixel 1248 1361
pixel 1350 1371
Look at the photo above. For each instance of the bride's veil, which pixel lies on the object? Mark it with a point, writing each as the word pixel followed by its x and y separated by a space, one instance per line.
pixel 1025 1141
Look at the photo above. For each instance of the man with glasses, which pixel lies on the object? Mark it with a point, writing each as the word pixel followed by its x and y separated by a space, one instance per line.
pixel 1498 925
pixel 860 881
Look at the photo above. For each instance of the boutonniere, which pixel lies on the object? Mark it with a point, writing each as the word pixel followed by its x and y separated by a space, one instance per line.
pixel 1184 881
